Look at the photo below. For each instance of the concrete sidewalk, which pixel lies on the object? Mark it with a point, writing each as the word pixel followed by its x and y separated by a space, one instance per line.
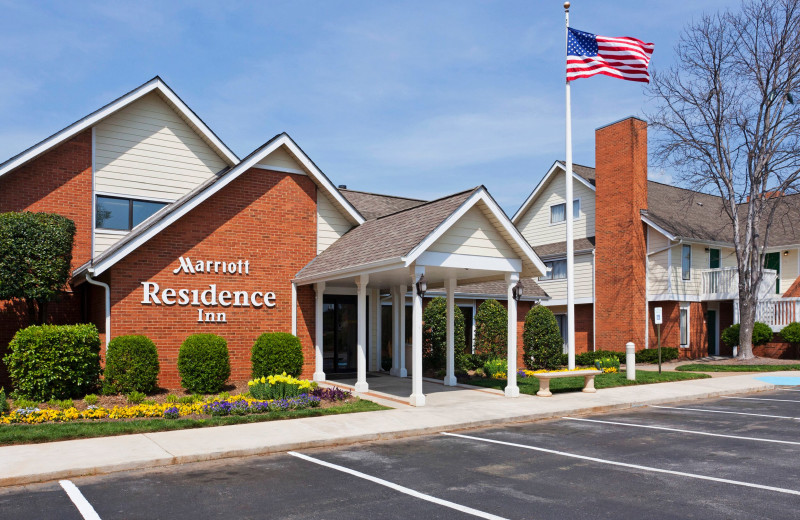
pixel 463 408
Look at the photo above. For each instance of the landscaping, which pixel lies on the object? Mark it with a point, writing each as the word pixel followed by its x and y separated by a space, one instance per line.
pixel 709 367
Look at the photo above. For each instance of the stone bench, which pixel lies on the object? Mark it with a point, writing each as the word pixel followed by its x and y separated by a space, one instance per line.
pixel 545 377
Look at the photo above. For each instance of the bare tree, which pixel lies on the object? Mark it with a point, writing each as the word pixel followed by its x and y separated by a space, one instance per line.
pixel 726 122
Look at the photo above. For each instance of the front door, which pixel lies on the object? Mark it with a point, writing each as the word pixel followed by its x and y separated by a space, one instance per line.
pixel 339 333
pixel 773 261
pixel 711 327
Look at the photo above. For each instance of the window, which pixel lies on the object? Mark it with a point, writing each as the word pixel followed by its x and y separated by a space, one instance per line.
pixel 713 259
pixel 684 319
pixel 558 212
pixel 686 262
pixel 558 270
pixel 123 214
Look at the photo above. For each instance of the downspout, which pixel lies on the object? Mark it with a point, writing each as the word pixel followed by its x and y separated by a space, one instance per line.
pixel 108 303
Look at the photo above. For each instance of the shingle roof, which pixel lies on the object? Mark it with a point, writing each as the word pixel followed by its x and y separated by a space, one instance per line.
pixel 374 205
pixel 531 289
pixel 587 172
pixel 384 238
pixel 560 248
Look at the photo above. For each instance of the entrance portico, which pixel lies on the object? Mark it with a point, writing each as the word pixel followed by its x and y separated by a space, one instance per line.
pixel 461 239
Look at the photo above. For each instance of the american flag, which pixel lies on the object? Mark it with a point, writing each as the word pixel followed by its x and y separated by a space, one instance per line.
pixel 589 54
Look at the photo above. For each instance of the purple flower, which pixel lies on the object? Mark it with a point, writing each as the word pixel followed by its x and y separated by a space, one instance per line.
pixel 172 413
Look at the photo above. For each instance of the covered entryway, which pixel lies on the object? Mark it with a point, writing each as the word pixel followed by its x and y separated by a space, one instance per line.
pixel 464 238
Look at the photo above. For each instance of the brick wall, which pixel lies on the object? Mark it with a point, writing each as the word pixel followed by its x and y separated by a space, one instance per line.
pixel 268 218
pixel 620 286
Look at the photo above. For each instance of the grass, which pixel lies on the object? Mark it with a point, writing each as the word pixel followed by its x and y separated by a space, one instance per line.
pixel 36 433
pixel 704 367
pixel 530 385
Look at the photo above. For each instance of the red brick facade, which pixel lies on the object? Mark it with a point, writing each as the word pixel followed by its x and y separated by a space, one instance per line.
pixel 620 249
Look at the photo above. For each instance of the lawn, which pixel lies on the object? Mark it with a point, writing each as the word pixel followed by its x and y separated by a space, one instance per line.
pixel 49 432
pixel 530 385
pixel 707 367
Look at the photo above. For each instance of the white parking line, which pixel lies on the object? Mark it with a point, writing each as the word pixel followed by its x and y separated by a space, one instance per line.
pixel 788 389
pixel 760 399
pixel 721 411
pixel 401 489
pixel 84 507
pixel 633 466
pixel 738 437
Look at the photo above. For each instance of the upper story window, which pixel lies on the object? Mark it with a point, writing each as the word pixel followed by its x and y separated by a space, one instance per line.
pixel 558 270
pixel 558 212
pixel 123 214
pixel 686 262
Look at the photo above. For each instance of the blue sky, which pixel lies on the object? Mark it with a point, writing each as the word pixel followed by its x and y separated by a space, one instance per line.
pixel 418 99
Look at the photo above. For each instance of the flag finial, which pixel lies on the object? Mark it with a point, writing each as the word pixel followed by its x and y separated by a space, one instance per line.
pixel 566 6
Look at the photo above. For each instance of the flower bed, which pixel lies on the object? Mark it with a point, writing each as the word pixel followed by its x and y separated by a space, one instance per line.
pixel 531 373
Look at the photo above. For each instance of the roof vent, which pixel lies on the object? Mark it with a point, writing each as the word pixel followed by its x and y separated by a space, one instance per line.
pixel 699 203
pixel 343 186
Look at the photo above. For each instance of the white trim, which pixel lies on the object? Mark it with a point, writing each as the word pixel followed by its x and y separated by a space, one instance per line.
pixel 457 261
pixel 578 301
pixel 280 169
pixel 294 309
pixel 94 192
pixel 129 197
pixel 688 307
pixel 234 173
pixel 658 228
pixel 565 211
pixel 107 305
pixel 155 84
pixel 368 268
pixel 556 166
pixel 680 297
pixel 120 232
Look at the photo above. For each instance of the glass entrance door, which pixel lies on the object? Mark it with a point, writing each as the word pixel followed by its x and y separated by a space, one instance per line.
pixel 339 333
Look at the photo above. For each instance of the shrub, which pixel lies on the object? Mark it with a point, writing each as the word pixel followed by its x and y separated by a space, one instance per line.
pixel 136 397
pixel 54 361
pixel 276 353
pixel 495 366
pixel 278 387
pixel 131 365
pixel 762 334
pixel 4 406
pixel 386 363
pixel 791 335
pixel 188 399
pixel 650 355
pixel 172 413
pixel 434 336
pixel 473 362
pixel 61 404
pixel 541 340
pixel 588 358
pixel 608 364
pixel 491 330
pixel 203 363
pixel 171 398
pixel 91 399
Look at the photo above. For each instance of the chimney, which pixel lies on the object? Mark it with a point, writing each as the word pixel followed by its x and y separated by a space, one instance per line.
pixel 620 247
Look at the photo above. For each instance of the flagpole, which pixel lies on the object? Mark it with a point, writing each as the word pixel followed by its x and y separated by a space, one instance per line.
pixel 569 209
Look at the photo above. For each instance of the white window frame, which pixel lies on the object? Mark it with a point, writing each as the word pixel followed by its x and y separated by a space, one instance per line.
pixel 685 307
pixel 576 204
pixel 686 274
pixel 548 277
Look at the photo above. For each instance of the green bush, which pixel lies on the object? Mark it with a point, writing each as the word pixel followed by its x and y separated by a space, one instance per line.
pixel 588 358
pixel 91 399
pixel 276 390
pixel 54 361
pixel 473 362
pixel 494 366
pixel 791 335
pixel 136 397
pixel 131 365
pixel 491 330
pixel 275 353
pixel 171 398
pixel 203 363
pixel 541 339
pixel 608 364
pixel 4 406
pixel 650 355
pixel 762 334
pixel 434 336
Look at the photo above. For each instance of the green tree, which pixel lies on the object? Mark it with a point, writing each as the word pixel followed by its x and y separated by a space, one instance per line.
pixel 434 336
pixel 491 330
pixel 35 258
pixel 541 340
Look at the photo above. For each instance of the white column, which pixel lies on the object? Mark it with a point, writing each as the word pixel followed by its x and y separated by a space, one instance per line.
pixel 450 376
pixel 319 288
pixel 395 334
pixel 401 308
pixel 294 309
pixel 375 320
pixel 361 382
pixel 417 397
pixel 512 390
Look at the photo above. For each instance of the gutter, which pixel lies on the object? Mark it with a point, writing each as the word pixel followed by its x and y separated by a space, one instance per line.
pixel 105 286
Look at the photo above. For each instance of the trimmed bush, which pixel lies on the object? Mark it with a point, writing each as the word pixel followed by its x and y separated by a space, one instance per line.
pixel 54 361
pixel 203 363
pixel 541 340
pixel 762 334
pixel 275 353
pixel 650 355
pixel 588 358
pixel 791 335
pixel 434 336
pixel 131 365
pixel 491 330
pixel 4 406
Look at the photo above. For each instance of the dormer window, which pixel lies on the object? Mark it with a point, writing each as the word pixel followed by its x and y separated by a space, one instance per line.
pixel 558 212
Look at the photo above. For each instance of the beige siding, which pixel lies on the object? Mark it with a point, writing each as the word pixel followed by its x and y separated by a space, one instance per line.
pixel 557 289
pixel 657 279
pixel 105 239
pixel 282 159
pixel 789 270
pixel 727 257
pixel 535 223
pixel 473 234
pixel 331 224
pixel 146 150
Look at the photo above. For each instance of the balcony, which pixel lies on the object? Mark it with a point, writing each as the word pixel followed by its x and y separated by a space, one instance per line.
pixel 723 284
pixel 775 312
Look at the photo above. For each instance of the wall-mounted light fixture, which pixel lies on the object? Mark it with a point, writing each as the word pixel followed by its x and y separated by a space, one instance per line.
pixel 422 286
pixel 517 290
pixel 786 253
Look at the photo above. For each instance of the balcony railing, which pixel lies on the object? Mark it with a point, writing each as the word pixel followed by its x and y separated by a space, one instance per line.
pixel 775 312
pixel 723 283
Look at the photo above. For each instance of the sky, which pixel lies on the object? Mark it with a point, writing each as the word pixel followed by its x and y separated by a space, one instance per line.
pixel 416 99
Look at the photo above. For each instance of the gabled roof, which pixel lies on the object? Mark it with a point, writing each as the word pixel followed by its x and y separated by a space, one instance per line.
pixel 400 238
pixel 172 212
pixel 532 291
pixel 579 245
pixel 582 174
pixel 154 85
pixel 374 205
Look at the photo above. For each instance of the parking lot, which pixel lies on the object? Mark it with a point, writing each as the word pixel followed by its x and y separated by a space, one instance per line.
pixel 733 457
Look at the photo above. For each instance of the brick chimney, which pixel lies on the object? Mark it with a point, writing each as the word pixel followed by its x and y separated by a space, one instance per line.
pixel 620 248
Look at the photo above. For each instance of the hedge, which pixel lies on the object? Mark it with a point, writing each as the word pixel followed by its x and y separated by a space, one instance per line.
pixel 274 353
pixel 491 330
pixel 541 339
pixel 54 361
pixel 434 336
pixel 131 365
pixel 203 363
pixel 762 334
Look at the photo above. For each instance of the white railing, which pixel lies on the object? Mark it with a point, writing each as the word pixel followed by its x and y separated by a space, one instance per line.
pixel 775 312
pixel 724 282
